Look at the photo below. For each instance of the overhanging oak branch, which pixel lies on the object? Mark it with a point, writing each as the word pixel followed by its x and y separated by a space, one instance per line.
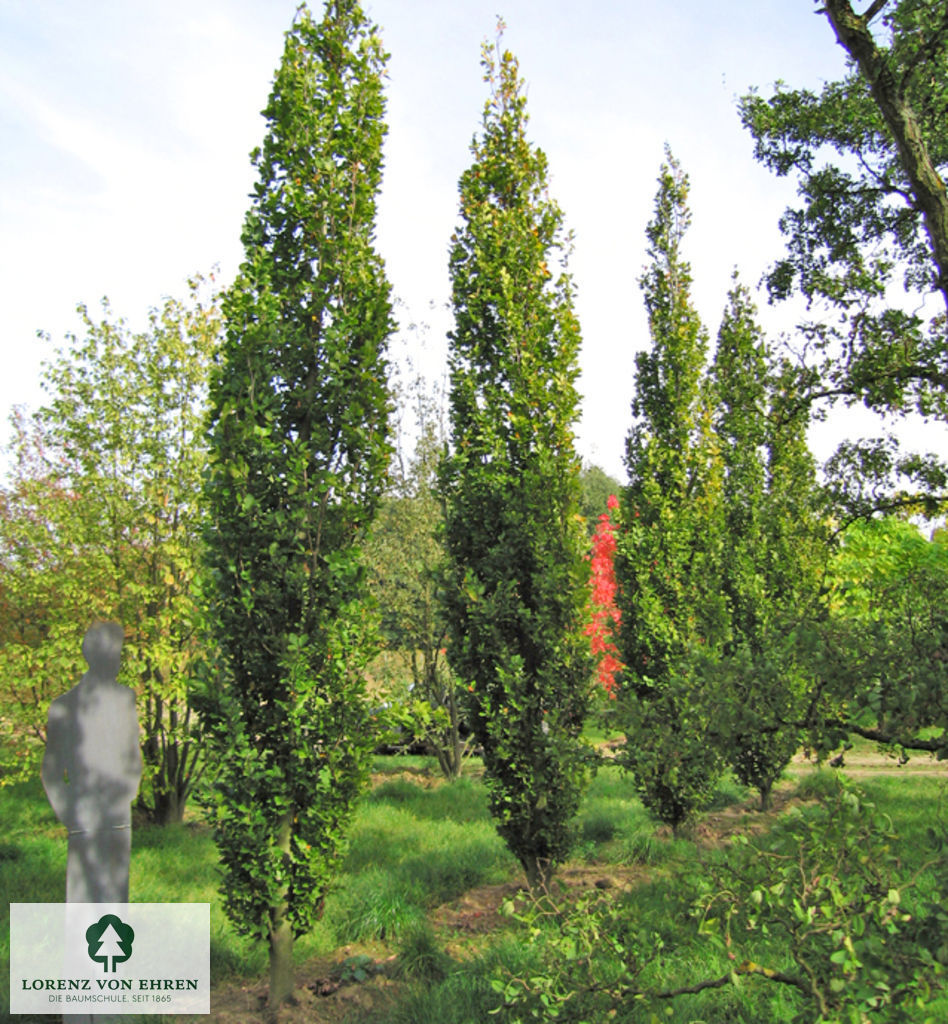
pixel 852 32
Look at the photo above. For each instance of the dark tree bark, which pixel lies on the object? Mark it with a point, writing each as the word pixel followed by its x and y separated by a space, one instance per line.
pixel 931 198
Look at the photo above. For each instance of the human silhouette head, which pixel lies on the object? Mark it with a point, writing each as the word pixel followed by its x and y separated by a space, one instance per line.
pixel 102 648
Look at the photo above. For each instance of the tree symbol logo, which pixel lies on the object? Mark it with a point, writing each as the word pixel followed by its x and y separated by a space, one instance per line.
pixel 110 939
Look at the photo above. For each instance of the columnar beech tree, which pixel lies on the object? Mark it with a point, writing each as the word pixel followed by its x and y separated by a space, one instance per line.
pixel 511 484
pixel 667 563
pixel 298 458
pixel 773 548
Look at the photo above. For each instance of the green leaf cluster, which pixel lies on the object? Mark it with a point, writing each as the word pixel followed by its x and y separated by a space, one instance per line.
pixel 867 242
pixel 100 519
pixel 882 653
pixel 829 887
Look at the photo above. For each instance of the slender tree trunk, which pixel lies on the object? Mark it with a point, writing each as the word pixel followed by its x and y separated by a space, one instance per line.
pixel 281 957
pixel 281 933
pixel 441 753
pixel 539 872
pixel 457 747
pixel 168 807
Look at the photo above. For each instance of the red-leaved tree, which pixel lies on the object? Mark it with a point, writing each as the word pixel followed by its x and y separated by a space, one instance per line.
pixel 604 614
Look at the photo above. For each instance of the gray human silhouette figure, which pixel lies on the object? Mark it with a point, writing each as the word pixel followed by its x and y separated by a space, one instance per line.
pixel 91 770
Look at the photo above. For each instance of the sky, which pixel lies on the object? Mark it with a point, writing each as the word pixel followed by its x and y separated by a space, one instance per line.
pixel 127 127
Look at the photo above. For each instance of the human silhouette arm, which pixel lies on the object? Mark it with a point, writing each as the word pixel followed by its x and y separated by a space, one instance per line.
pixel 55 765
pixel 133 749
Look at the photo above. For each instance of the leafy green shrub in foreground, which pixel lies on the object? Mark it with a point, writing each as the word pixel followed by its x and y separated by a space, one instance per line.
pixel 830 887
pixel 819 921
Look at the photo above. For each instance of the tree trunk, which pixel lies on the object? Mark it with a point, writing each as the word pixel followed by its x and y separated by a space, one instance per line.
pixel 168 808
pixel 766 793
pixel 170 756
pixel 539 872
pixel 281 957
pixel 457 748
pixel 853 33
pixel 281 933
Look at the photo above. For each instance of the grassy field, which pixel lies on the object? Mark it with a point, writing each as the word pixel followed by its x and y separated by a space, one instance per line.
pixel 419 929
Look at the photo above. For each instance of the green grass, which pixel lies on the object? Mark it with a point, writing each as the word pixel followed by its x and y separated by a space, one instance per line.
pixel 412 848
pixel 420 956
pixel 415 846
pixel 614 828
pixel 419 764
pixel 610 815
pixel 32 861
pixel 464 995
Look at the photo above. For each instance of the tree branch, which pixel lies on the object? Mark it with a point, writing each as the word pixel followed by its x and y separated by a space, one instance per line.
pixel 880 736
pixel 748 967
pixel 873 10
pixel 852 33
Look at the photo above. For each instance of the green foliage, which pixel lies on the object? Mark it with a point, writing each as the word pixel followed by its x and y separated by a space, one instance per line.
pixel 514 535
pixel 819 921
pixel 597 487
pixel 356 968
pixel 674 619
pixel 589 959
pixel 99 518
pixel 820 784
pixel 298 457
pixel 406 558
pixel 869 237
pixel 883 652
pixel 774 549
pixel 829 887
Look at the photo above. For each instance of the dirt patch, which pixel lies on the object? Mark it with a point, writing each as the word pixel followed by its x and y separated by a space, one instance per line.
pixel 325 994
pixel 863 761
pixel 478 911
pixel 416 776
pixel 716 828
pixel 605 877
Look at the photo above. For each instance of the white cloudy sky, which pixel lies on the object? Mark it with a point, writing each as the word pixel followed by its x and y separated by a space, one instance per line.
pixel 126 127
